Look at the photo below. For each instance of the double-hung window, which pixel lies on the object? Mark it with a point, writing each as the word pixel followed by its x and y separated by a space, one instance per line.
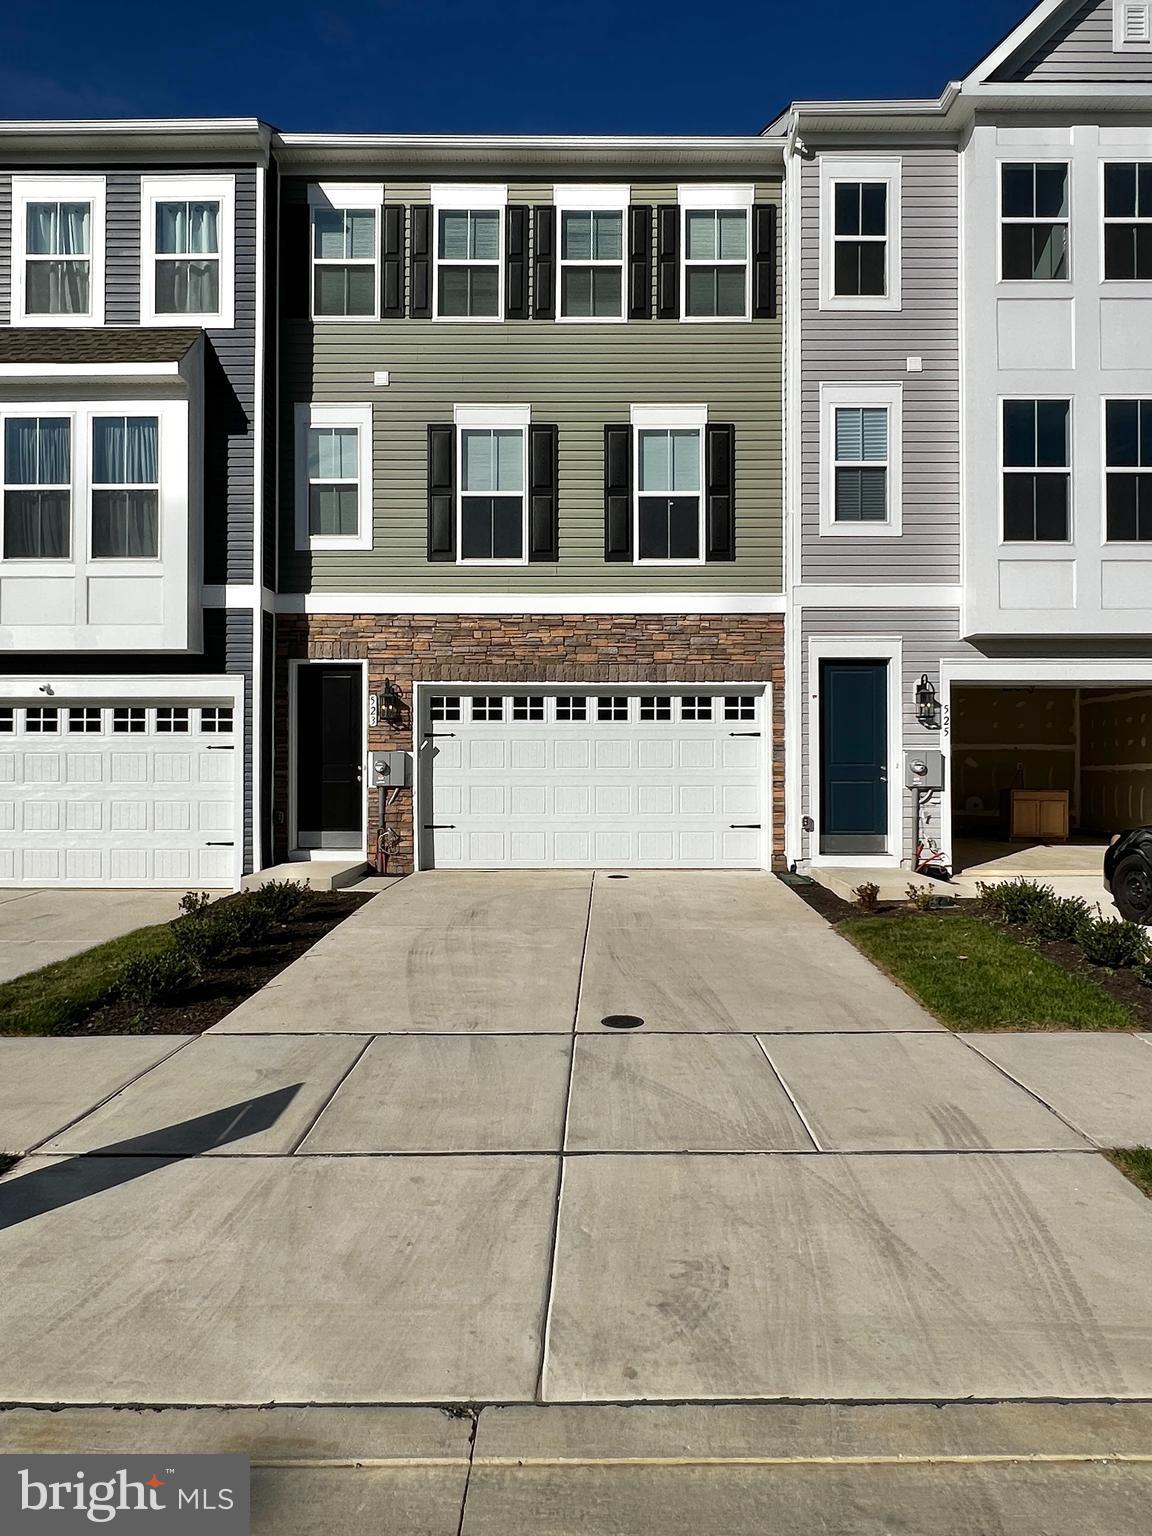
pixel 591 252
pixel 1128 221
pixel 1037 470
pixel 345 223
pixel 469 251
pixel 492 445
pixel 187 258
pixel 125 480
pixel 860 470
pixel 715 246
pixel 1034 222
pixel 37 487
pixel 669 457
pixel 1128 470
pixel 333 477
pixel 860 233
pixel 58 250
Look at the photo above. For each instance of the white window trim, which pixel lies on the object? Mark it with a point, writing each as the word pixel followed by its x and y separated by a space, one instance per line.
pixel 174 502
pixel 602 198
pixel 834 169
pixel 1139 286
pixel 73 189
pixel 310 415
pixel 160 189
pixel 1037 284
pixel 507 418
pixel 1140 547
pixel 479 197
pixel 835 397
pixel 1120 44
pixel 345 196
pixel 665 418
pixel 1010 545
pixel 705 199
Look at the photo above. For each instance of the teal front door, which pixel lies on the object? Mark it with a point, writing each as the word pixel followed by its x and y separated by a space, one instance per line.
pixel 853 757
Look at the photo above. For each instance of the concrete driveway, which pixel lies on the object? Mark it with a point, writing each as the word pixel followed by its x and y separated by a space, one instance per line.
pixel 38 927
pixel 424 1167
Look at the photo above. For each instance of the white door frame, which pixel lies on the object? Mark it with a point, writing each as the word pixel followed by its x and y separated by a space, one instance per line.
pixel 295 852
pixel 887 648
pixel 1105 673
pixel 196 688
pixel 495 685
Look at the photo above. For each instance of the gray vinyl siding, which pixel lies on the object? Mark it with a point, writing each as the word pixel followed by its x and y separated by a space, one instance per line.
pixel 928 635
pixel 580 377
pixel 122 249
pixel 1079 50
pixel 840 347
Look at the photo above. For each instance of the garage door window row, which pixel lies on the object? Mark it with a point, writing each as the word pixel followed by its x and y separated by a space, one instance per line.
pixel 575 709
pixel 128 720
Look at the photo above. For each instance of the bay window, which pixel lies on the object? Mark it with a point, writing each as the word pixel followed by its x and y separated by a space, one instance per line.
pixel 125 488
pixel 37 487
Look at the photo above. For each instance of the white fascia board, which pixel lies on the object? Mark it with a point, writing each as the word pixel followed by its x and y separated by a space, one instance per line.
pixel 609 196
pixel 716 195
pixel 346 194
pixel 406 604
pixel 469 194
pixel 1053 672
pixel 871 595
pixel 669 415
pixel 208 686
pixel 165 370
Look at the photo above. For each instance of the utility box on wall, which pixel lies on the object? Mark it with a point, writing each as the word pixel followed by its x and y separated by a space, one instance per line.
pixel 924 770
pixel 389 770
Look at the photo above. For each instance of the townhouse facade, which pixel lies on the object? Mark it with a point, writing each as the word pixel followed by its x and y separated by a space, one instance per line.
pixel 544 502
pixel 968 379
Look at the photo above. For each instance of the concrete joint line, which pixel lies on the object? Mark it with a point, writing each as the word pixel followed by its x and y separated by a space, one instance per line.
pixel 1031 1092
pixel 779 1076
pixel 116 1092
pixel 561 1463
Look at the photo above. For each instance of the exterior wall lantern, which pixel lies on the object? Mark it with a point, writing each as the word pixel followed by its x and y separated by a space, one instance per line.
pixel 927 706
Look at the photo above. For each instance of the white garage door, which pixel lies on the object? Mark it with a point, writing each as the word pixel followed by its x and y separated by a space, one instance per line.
pixel 117 794
pixel 544 779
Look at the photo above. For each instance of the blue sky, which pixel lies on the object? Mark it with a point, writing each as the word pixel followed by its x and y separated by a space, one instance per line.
pixel 597 66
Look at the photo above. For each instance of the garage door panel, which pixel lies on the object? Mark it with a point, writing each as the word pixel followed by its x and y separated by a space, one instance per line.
pixel 93 811
pixel 639 780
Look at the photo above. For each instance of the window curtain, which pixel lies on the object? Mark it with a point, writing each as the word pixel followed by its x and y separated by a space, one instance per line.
pixel 37 451
pixel 125 523
pixel 188 229
pixel 124 450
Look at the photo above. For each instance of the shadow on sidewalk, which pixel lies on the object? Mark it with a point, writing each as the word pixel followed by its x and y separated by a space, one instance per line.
pixel 90 1173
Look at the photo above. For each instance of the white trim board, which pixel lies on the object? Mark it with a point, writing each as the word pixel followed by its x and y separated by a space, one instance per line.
pixel 403 604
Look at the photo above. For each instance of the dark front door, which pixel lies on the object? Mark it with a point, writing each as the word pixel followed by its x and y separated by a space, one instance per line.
pixel 329 756
pixel 853 757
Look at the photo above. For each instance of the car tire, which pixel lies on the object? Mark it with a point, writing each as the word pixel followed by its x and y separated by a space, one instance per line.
pixel 1132 889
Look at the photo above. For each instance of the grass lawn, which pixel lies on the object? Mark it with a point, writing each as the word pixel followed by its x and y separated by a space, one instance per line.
pixel 1136 1164
pixel 972 976
pixel 42 1001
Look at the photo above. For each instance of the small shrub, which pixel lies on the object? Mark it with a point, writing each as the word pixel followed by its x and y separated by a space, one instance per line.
pixel 867 896
pixel 1143 973
pixel 280 898
pixel 1016 901
pixel 200 939
pixel 241 924
pixel 192 903
pixel 922 897
pixel 148 979
pixel 1117 945
pixel 1064 919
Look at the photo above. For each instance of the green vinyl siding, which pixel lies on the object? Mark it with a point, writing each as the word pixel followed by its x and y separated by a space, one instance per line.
pixel 580 377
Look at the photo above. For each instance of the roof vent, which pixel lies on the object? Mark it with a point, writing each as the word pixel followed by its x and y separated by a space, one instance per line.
pixel 1131 26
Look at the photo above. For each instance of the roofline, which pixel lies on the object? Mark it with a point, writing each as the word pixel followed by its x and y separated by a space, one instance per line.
pixel 505 141
pixel 38 126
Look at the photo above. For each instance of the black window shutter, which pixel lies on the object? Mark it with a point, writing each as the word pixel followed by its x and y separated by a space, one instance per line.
pixel 544 263
pixel 420 268
pixel 640 261
pixel 720 489
pixel 515 263
pixel 618 493
pixel 764 261
pixel 392 262
pixel 442 492
pixel 543 498
pixel 668 262
pixel 295 261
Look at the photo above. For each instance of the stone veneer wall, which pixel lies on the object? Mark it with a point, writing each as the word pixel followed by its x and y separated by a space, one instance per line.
pixel 565 648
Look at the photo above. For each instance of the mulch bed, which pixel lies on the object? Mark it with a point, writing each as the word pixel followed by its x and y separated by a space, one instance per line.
pixel 226 987
pixel 1121 985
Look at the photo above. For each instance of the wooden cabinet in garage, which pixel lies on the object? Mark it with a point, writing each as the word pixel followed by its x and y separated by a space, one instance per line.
pixel 1040 814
